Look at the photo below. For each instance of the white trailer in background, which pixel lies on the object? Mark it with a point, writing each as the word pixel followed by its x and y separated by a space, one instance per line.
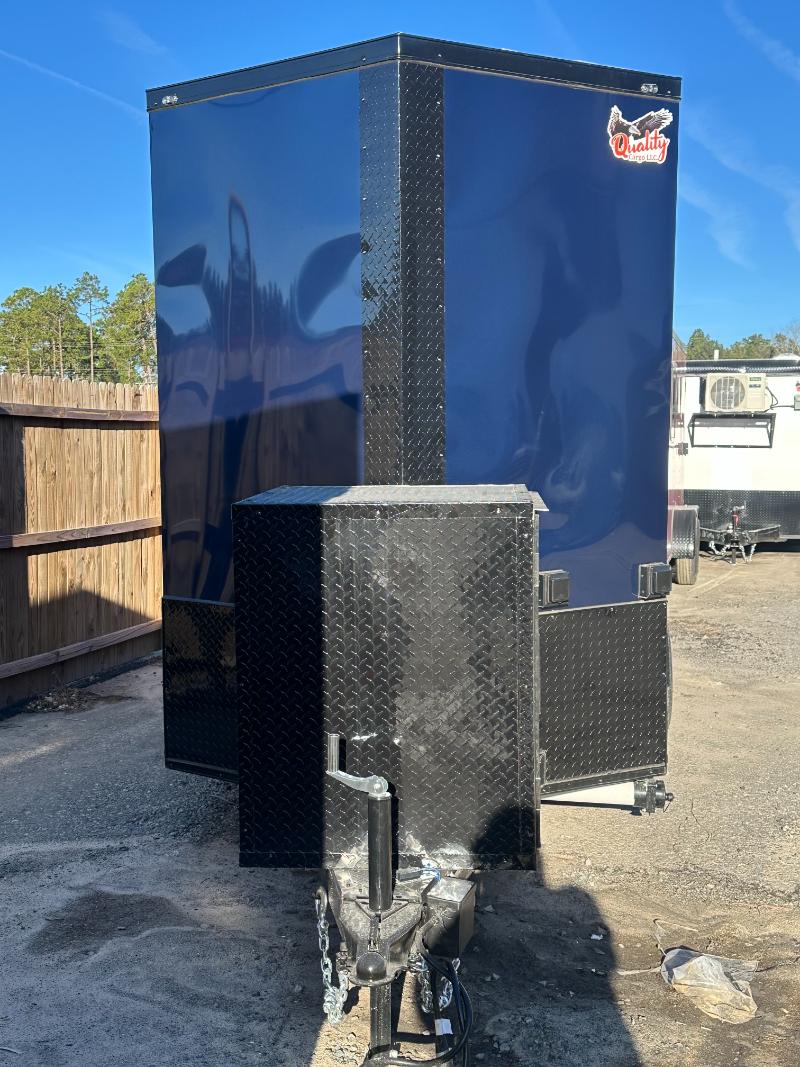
pixel 683 527
pixel 742 463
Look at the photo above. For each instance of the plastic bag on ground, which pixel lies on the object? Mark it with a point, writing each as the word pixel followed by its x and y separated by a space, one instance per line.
pixel 718 986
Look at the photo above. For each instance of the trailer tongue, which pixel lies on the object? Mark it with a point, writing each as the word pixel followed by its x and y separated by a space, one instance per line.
pixel 732 533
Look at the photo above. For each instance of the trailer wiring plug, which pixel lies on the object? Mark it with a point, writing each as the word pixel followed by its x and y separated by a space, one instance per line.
pixel 446 971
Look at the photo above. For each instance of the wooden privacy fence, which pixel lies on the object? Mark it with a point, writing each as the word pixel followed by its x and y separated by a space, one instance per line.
pixel 80 530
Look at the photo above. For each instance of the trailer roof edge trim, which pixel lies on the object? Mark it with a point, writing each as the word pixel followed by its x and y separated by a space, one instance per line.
pixel 422 49
pixel 789 367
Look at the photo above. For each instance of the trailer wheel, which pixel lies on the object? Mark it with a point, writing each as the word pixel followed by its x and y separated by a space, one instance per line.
pixel 686 569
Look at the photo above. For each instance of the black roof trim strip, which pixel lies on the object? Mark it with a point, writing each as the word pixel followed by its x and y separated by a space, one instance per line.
pixel 745 366
pixel 422 49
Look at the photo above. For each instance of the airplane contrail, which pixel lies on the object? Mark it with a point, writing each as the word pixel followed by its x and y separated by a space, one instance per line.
pixel 129 109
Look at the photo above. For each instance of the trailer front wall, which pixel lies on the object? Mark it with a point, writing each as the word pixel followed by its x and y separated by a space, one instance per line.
pixel 256 220
pixel 737 463
pixel 256 228
pixel 559 277
pixel 741 456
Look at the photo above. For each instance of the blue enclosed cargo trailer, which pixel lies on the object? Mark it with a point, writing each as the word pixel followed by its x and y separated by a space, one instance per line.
pixel 411 261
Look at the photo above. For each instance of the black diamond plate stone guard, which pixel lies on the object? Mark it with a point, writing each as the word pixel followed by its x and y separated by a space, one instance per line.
pixel 408 628
pixel 604 693
pixel 200 687
pixel 763 507
pixel 402 272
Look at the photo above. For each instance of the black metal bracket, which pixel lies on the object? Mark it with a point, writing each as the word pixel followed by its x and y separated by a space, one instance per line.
pixel 730 420
pixel 553 588
pixel 655 580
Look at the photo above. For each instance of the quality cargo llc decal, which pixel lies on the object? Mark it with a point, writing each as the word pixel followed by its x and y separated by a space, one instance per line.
pixel 640 141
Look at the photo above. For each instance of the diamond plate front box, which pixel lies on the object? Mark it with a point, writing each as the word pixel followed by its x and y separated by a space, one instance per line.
pixel 404 619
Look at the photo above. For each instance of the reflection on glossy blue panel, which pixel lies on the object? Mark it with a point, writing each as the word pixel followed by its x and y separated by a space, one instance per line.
pixel 256 229
pixel 559 263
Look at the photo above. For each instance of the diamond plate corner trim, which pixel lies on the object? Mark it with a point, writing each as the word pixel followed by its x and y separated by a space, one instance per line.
pixel 604 696
pixel 381 305
pixel 200 733
pixel 422 270
pixel 402 272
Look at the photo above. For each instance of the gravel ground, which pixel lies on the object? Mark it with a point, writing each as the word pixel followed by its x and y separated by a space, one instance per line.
pixel 130 936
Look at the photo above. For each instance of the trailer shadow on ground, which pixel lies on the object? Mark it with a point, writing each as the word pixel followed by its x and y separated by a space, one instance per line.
pixel 133 937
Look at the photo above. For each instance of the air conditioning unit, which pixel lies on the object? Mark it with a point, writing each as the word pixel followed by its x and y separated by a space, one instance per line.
pixel 736 391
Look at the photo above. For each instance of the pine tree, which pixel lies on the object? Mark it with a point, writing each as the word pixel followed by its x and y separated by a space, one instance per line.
pixel 756 346
pixel 19 330
pixel 701 346
pixel 90 295
pixel 129 330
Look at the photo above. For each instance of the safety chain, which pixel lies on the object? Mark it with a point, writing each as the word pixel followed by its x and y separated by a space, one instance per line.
pixel 334 996
pixel 418 966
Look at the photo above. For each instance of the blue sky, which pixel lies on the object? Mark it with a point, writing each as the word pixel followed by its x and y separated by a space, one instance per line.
pixel 75 178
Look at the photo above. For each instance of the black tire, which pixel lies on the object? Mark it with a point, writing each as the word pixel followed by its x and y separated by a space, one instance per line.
pixel 686 569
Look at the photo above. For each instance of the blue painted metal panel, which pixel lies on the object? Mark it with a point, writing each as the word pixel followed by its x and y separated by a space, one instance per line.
pixel 256 231
pixel 559 277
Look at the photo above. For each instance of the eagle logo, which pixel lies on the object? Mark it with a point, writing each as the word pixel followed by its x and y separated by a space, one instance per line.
pixel 640 141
